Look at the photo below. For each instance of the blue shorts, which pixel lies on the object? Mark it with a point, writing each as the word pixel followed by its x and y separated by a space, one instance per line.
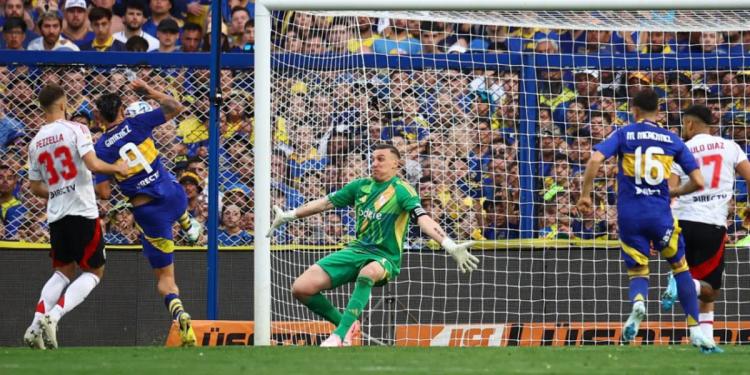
pixel 637 235
pixel 156 220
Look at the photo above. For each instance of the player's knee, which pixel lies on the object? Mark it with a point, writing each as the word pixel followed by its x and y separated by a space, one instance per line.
pixel 301 290
pixel 167 285
pixel 69 270
pixel 706 292
pixel 374 271
pixel 98 272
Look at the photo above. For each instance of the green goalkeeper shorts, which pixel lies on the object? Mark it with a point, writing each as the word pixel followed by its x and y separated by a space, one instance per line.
pixel 344 265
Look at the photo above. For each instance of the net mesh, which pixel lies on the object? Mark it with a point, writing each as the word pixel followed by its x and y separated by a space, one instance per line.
pixel 182 144
pixel 467 102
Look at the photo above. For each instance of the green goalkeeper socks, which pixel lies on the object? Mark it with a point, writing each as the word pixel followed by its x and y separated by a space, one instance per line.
pixel 320 305
pixel 357 303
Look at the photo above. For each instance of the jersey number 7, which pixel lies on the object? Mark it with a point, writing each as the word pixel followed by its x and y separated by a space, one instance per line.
pixel 716 160
pixel 69 170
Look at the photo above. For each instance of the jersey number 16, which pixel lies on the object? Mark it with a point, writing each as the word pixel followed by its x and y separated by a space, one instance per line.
pixel 647 167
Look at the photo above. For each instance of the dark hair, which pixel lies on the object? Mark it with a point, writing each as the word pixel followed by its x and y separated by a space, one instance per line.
pixel 647 100
pixel 98 13
pixel 699 111
pixel 108 105
pixel 189 26
pixel 387 146
pixel 239 9
pixel 14 23
pixel 250 22
pixel 49 95
pixel 136 44
pixel 136 4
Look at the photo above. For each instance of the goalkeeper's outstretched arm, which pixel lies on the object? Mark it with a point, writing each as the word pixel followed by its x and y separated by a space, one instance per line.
pixel 282 217
pixel 459 252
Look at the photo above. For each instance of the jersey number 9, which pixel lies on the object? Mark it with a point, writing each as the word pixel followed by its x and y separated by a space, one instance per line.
pixel 652 170
pixel 131 154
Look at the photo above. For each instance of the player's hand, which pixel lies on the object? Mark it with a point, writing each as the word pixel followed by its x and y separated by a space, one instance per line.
pixel 140 87
pixel 584 206
pixel 459 252
pixel 122 167
pixel 281 217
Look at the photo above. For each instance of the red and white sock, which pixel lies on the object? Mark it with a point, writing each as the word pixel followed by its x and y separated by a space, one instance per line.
pixel 51 292
pixel 76 293
pixel 706 321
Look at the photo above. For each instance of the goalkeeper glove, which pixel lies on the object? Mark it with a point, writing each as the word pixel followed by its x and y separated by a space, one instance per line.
pixel 466 261
pixel 281 217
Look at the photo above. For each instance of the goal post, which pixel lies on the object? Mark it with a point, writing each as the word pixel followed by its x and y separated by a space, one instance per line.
pixel 550 281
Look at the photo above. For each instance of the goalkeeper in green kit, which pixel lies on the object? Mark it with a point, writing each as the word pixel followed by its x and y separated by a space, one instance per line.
pixel 383 204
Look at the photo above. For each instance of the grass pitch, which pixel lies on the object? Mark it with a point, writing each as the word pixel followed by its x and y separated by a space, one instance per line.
pixel 375 360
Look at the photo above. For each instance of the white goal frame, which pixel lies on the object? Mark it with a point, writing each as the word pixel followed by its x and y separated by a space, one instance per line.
pixel 262 131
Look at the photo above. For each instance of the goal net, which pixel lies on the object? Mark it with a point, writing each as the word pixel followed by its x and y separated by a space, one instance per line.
pixel 496 114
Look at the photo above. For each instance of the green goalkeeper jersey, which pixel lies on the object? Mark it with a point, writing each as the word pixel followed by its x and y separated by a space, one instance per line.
pixel 382 210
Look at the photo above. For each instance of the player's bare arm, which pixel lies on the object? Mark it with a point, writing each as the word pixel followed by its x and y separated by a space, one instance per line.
pixel 694 184
pixel 315 207
pixel 308 209
pixel 459 252
pixel 584 203
pixel 96 165
pixel 39 189
pixel 169 105
pixel 431 228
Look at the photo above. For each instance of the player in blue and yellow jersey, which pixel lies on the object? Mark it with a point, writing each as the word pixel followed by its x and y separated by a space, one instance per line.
pixel 157 198
pixel 645 155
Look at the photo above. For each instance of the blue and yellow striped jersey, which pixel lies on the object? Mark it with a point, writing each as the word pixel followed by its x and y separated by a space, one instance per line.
pixel 132 141
pixel 645 155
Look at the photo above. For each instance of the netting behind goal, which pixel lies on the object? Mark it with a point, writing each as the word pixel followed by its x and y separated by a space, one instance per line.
pixel 181 143
pixel 496 115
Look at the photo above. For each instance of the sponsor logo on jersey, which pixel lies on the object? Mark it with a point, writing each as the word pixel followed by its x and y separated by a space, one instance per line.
pixel 647 191
pixel 63 190
pixel 709 198
pixel 148 179
pixel 372 215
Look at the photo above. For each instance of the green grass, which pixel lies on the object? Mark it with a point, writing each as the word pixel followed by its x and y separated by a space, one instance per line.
pixel 667 360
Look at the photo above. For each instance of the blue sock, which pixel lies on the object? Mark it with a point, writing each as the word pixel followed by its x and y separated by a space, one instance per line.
pixel 174 304
pixel 638 289
pixel 688 298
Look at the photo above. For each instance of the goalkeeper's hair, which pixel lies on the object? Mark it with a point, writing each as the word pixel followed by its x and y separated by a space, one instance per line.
pixel 108 105
pixel 647 100
pixel 387 146
pixel 700 112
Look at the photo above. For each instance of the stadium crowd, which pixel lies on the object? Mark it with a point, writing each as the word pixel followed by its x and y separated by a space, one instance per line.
pixel 458 130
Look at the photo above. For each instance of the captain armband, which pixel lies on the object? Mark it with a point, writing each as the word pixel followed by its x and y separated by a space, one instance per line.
pixel 418 211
